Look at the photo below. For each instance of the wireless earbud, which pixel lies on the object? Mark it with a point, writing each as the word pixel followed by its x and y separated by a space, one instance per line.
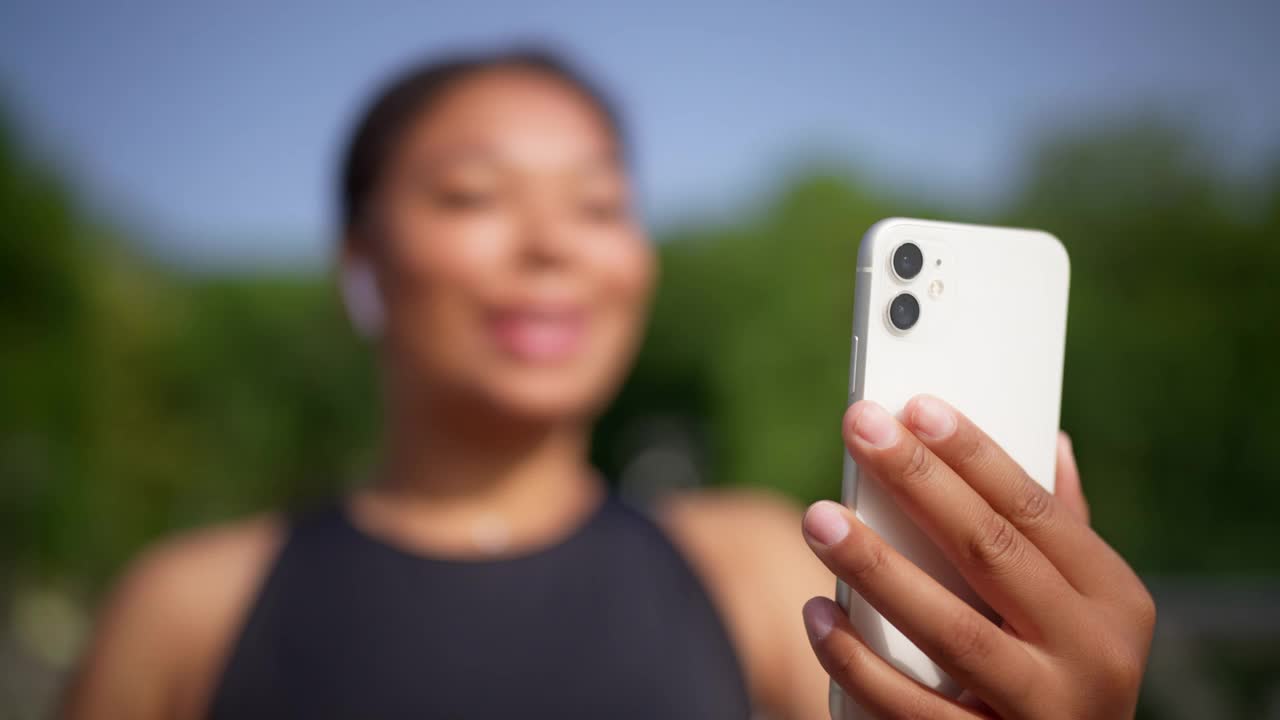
pixel 363 299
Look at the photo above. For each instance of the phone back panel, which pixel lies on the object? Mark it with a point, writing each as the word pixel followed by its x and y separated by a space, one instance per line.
pixel 990 340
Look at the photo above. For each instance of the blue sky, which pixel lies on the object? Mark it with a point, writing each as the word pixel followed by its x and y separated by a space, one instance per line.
pixel 215 126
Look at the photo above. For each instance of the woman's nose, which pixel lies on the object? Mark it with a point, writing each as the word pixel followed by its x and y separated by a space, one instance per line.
pixel 546 236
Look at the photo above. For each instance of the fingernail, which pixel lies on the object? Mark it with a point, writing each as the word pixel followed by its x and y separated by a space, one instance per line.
pixel 1064 442
pixel 932 418
pixel 825 523
pixel 875 426
pixel 819 617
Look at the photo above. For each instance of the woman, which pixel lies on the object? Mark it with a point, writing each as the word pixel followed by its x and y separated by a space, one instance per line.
pixel 486 572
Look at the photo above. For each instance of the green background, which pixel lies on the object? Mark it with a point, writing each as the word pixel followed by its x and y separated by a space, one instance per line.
pixel 137 399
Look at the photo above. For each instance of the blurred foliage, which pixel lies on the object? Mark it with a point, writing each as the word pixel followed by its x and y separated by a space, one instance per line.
pixel 136 399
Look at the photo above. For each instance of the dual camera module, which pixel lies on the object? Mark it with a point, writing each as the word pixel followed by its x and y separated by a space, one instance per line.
pixel 907 262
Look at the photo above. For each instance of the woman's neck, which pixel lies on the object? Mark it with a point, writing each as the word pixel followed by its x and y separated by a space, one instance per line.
pixel 465 483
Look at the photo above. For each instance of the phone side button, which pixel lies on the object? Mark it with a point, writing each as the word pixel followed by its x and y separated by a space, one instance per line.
pixel 853 371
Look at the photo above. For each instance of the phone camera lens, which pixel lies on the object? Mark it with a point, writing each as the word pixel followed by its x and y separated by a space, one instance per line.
pixel 904 311
pixel 908 260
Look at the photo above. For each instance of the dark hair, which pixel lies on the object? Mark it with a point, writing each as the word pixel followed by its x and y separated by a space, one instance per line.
pixel 413 92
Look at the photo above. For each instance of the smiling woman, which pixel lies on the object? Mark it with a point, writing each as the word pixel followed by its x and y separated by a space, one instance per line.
pixel 484 570
pixel 490 250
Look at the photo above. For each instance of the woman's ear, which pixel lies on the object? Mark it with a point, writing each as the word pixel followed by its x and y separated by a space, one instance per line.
pixel 361 296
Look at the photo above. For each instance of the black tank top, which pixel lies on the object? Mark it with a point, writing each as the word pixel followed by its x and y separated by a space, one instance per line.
pixel 608 623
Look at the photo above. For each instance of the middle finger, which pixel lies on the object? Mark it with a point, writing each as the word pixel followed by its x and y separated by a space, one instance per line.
pixel 1083 559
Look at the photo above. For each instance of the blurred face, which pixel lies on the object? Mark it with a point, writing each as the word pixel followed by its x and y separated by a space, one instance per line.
pixel 514 272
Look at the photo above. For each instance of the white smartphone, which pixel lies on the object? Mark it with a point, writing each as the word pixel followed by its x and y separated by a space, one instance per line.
pixel 976 316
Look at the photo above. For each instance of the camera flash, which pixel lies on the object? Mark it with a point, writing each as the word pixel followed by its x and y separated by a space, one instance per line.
pixel 935 289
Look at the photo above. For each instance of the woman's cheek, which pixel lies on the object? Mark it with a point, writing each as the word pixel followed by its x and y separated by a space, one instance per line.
pixel 626 271
pixel 457 247
pixel 440 267
pixel 627 266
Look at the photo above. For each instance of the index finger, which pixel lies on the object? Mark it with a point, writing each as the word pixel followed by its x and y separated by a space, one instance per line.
pixel 1083 558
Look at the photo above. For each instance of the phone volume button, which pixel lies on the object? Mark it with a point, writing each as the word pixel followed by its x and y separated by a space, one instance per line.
pixel 853 370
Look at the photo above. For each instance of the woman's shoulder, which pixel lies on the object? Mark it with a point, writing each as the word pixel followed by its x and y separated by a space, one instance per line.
pixel 189 555
pixel 747 547
pixel 704 512
pixel 166 626
pixel 202 569
pixel 737 533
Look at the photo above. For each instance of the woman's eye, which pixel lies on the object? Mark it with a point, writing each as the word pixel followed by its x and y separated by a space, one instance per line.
pixel 603 209
pixel 461 200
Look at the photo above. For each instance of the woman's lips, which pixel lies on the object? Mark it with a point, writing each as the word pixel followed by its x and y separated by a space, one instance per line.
pixel 539 335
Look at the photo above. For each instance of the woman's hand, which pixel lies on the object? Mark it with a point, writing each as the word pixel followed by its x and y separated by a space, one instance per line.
pixel 1077 620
